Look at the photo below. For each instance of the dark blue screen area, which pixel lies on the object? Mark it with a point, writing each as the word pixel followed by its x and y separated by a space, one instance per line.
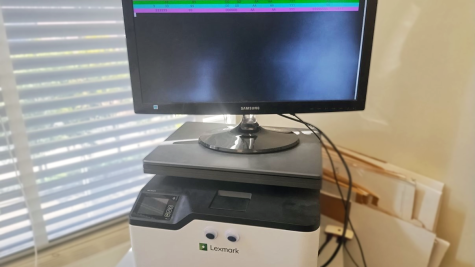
pixel 247 57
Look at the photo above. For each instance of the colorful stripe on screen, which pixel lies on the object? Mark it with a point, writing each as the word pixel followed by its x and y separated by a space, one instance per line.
pixel 243 6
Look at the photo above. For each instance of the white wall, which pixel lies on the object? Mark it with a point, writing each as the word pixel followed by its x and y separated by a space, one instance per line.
pixel 421 107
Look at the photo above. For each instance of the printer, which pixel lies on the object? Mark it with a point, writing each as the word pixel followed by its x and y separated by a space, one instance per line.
pixel 214 209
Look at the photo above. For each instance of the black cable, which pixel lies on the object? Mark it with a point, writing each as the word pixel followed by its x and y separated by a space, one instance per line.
pixel 345 203
pixel 341 195
pixel 350 186
pixel 359 244
pixel 349 254
pixel 322 247
pixel 302 122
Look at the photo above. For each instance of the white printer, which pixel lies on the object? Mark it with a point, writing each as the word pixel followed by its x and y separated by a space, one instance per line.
pixel 214 209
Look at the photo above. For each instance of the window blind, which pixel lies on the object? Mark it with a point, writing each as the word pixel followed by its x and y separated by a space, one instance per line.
pixel 15 230
pixel 84 142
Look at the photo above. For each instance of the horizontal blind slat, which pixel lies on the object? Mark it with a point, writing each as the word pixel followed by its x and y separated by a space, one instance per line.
pixel 75 88
pixel 77 127
pixel 3 113
pixel 9 195
pixel 61 3
pixel 7 183
pixel 72 75
pixel 15 233
pixel 74 115
pixel 100 182
pixel 87 222
pixel 19 246
pixel 88 163
pixel 103 170
pixel 8 167
pixel 4 155
pixel 12 208
pixel 3 142
pixel 84 43
pixel 80 212
pixel 38 106
pixel 59 15
pixel 94 196
pixel 100 148
pixel 55 31
pixel 14 220
pixel 107 55
pixel 123 207
pixel 143 126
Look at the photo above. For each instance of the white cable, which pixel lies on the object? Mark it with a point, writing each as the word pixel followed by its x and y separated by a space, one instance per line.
pixel 22 187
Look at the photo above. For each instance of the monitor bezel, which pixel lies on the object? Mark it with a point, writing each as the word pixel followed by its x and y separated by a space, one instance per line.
pixel 238 108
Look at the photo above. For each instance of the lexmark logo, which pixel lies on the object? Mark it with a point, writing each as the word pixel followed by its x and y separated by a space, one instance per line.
pixel 250 108
pixel 228 250
pixel 204 247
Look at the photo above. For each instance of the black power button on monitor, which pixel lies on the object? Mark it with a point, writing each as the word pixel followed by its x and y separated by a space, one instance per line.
pixel 156 206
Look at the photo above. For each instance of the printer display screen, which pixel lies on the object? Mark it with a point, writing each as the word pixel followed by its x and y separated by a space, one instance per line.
pixel 153 206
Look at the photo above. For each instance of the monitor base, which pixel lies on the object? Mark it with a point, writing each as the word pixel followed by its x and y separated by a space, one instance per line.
pixel 248 138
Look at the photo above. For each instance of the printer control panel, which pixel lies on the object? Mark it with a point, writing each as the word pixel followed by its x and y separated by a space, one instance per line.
pixel 155 206
pixel 171 203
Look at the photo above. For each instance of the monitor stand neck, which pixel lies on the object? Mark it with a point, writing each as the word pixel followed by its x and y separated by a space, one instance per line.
pixel 248 138
pixel 249 124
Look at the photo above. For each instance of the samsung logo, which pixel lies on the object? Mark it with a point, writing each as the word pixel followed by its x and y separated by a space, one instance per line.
pixel 250 108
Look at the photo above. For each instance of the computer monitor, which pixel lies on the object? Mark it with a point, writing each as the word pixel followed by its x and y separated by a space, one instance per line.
pixel 249 57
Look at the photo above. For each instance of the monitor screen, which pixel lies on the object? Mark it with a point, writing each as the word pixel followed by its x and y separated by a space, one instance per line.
pixel 246 51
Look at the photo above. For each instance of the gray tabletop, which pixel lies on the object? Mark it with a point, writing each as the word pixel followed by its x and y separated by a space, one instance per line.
pixel 182 150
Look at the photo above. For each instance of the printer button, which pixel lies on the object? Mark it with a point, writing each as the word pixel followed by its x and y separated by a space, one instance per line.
pixel 210 236
pixel 232 235
pixel 211 233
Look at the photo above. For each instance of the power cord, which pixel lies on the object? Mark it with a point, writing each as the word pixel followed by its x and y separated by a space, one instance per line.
pixel 322 247
pixel 349 254
pixel 346 203
pixel 339 239
pixel 350 184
